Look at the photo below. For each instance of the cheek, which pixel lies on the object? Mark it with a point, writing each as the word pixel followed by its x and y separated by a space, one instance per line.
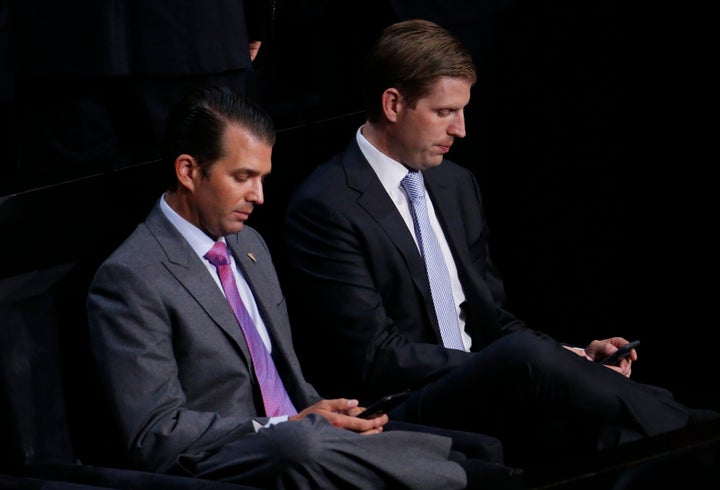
pixel 425 129
pixel 414 133
pixel 224 194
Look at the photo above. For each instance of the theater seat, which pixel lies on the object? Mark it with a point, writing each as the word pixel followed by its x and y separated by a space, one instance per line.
pixel 55 428
pixel 43 446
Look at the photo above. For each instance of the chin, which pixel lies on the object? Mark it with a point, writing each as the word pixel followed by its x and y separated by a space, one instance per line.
pixel 433 163
pixel 234 228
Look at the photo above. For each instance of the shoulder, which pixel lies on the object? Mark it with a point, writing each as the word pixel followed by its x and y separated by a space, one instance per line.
pixel 326 183
pixel 330 169
pixel 136 248
pixel 137 255
pixel 337 179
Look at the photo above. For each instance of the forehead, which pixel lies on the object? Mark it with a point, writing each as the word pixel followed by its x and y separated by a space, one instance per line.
pixel 244 150
pixel 235 135
pixel 450 92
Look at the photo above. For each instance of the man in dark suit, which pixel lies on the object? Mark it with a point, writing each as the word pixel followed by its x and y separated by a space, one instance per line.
pixel 183 381
pixel 359 281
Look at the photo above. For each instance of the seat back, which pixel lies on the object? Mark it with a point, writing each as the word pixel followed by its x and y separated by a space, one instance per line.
pixel 33 419
pixel 51 402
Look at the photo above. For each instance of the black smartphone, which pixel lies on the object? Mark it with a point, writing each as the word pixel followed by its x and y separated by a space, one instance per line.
pixel 621 353
pixel 383 405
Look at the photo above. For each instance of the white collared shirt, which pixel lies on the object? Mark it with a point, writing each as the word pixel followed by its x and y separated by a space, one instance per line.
pixel 391 172
pixel 201 244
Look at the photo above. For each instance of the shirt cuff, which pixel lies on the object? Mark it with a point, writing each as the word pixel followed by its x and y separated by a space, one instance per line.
pixel 271 421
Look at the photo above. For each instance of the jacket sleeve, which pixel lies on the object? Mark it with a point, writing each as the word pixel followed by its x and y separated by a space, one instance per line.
pixel 338 300
pixel 131 330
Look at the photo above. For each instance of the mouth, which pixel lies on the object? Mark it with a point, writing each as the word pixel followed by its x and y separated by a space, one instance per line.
pixel 243 215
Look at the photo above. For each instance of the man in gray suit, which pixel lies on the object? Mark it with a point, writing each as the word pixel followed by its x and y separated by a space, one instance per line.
pixel 173 357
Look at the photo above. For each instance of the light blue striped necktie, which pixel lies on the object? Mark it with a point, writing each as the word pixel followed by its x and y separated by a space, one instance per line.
pixel 437 272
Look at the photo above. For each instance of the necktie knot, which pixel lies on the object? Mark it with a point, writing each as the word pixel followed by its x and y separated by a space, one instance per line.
pixel 218 255
pixel 414 185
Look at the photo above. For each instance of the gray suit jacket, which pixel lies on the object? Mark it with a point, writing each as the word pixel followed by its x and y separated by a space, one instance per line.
pixel 178 373
pixel 170 350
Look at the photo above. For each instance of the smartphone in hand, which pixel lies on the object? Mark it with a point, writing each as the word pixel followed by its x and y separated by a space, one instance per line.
pixel 384 404
pixel 619 354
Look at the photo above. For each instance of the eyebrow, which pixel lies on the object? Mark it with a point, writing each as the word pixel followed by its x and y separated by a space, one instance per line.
pixel 249 172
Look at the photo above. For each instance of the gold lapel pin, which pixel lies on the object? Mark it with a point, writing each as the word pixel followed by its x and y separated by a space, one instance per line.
pixel 252 256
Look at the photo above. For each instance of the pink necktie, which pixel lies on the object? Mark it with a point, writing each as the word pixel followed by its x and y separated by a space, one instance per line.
pixel 275 398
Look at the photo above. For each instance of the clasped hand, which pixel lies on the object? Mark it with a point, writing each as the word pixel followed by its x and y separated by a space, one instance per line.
pixel 342 413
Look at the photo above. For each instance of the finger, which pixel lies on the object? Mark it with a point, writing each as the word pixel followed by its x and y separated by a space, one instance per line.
pixel 372 431
pixel 360 425
pixel 342 405
pixel 615 368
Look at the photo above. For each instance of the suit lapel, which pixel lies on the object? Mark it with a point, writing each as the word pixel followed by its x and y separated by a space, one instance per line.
pixel 247 261
pixel 375 201
pixel 254 266
pixel 257 267
pixel 191 273
pixel 447 210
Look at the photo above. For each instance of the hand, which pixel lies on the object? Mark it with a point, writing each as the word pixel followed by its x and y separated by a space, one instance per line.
pixel 579 351
pixel 600 349
pixel 254 47
pixel 342 413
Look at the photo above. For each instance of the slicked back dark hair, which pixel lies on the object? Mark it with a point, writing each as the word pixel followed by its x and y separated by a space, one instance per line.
pixel 195 126
pixel 411 56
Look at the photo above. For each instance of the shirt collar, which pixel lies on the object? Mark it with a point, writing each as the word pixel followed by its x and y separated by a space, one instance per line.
pixel 389 171
pixel 197 238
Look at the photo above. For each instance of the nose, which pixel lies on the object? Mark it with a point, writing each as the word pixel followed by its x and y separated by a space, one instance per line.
pixel 457 125
pixel 255 194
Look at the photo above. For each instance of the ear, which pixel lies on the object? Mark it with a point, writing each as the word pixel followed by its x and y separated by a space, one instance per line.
pixel 186 170
pixel 391 104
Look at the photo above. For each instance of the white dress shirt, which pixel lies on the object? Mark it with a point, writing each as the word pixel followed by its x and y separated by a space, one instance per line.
pixel 391 172
pixel 201 244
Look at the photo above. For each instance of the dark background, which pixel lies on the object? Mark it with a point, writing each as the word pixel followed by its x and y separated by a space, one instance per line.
pixel 583 131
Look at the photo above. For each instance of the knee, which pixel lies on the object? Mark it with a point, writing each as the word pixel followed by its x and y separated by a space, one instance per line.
pixel 530 351
pixel 296 445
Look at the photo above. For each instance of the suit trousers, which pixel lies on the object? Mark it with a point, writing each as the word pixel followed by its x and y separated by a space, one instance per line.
pixel 311 453
pixel 542 400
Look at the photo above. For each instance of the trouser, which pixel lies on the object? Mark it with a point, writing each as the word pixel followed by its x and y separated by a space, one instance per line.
pixel 543 401
pixel 311 453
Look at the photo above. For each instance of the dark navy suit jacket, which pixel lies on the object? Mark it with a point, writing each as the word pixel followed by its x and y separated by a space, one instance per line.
pixel 358 281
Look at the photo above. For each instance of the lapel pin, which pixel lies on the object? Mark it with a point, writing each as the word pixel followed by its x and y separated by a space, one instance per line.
pixel 252 256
